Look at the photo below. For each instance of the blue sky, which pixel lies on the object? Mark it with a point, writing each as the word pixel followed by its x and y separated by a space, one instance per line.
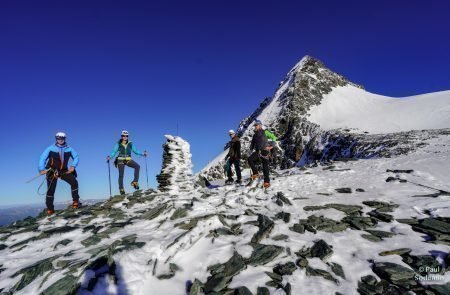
pixel 94 68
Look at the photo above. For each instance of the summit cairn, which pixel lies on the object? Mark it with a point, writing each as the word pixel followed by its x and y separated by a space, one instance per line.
pixel 176 171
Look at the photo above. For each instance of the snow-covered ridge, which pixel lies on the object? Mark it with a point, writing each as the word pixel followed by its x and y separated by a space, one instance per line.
pixel 351 107
pixel 344 227
pixel 319 115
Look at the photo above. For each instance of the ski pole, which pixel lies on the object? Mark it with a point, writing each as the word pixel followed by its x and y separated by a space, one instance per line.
pixel 146 170
pixel 109 175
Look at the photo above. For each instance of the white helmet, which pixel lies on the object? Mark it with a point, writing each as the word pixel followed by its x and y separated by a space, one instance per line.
pixel 60 135
pixel 231 131
pixel 124 132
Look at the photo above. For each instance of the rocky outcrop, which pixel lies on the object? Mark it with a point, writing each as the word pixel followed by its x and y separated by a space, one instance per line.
pixel 303 142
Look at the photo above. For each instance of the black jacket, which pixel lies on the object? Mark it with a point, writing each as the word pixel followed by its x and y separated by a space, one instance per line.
pixel 234 152
pixel 259 141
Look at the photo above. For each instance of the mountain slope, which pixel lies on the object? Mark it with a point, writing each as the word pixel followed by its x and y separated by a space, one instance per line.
pixel 351 107
pixel 320 230
pixel 319 115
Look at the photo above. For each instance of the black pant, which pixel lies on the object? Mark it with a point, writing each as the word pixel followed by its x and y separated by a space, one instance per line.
pixel 132 164
pixel 254 158
pixel 52 180
pixel 237 167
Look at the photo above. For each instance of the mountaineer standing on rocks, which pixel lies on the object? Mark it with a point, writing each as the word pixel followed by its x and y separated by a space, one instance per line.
pixel 233 158
pixel 54 162
pixel 273 143
pixel 124 148
pixel 262 153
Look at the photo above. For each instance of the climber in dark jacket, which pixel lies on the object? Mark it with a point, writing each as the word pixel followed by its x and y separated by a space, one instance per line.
pixel 54 162
pixel 261 152
pixel 233 158
pixel 124 149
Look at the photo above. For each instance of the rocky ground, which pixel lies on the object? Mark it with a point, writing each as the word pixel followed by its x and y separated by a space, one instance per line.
pixel 378 226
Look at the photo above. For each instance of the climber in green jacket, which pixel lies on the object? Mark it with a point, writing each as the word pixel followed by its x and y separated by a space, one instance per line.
pixel 124 148
pixel 273 143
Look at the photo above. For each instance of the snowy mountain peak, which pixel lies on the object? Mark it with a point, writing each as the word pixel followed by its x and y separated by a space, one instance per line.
pixel 306 61
pixel 319 115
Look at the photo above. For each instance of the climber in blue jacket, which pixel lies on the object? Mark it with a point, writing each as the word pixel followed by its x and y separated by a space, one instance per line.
pixel 54 162
pixel 124 148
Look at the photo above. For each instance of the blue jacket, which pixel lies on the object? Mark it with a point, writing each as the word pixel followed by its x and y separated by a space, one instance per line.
pixel 124 150
pixel 57 157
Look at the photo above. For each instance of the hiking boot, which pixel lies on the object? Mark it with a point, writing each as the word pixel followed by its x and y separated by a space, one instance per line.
pixel 255 176
pixel 50 212
pixel 135 184
pixel 239 181
pixel 75 205
pixel 229 180
pixel 266 184
pixel 122 191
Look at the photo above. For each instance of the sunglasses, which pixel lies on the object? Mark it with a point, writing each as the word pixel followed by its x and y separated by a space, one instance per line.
pixel 124 135
pixel 60 138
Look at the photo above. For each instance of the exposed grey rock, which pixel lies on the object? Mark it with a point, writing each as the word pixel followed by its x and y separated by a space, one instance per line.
pixel 242 291
pixel 263 254
pixel 90 241
pixel 265 225
pixel 288 289
pixel 196 288
pixel 262 291
pixel 319 272
pixel 344 190
pixel 316 223
pixel 360 223
pixel 400 171
pixel 179 213
pixel 437 228
pixel 381 216
pixel 381 206
pixel 275 276
pixel 423 264
pixel 347 209
pixel 400 251
pixel 337 269
pixel 280 237
pixel 408 220
pixel 65 286
pixel 371 238
pixel 64 242
pixel 302 262
pixel 321 250
pixel 31 272
pixel 286 217
pixel 380 234
pixel 223 273
pixel 154 212
pixel 440 289
pixel 280 198
pixel 392 272
pixel 298 228
pixel 285 269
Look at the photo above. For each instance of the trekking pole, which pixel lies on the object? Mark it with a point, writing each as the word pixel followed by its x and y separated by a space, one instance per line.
pixel 146 170
pixel 109 174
